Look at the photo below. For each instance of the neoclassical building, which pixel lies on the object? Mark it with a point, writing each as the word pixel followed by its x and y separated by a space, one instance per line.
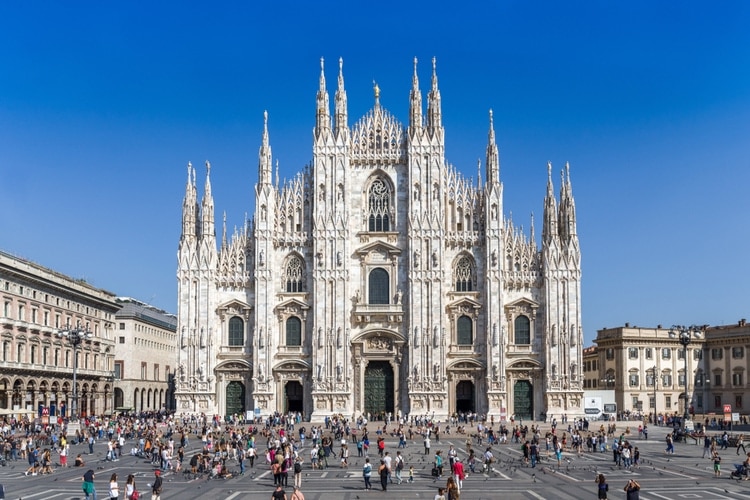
pixel 36 364
pixel 379 279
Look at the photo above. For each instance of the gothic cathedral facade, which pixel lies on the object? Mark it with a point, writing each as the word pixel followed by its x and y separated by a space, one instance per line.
pixel 379 280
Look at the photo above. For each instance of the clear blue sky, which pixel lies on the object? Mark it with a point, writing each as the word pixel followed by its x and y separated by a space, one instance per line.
pixel 102 104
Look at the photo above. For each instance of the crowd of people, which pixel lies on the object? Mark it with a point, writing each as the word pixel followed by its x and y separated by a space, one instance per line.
pixel 285 445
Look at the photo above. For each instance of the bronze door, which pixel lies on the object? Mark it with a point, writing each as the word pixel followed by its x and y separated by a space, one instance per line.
pixel 523 399
pixel 379 387
pixel 235 399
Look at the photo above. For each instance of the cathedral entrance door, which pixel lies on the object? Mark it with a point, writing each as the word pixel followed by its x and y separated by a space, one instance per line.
pixel 465 397
pixel 379 387
pixel 523 399
pixel 294 396
pixel 235 399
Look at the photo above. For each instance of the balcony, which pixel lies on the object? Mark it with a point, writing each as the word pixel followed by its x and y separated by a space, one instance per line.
pixel 388 313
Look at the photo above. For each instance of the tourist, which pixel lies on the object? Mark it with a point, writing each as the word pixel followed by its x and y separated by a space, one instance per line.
pixel 130 488
pixel 367 473
pixel 632 490
pixel 114 489
pixel 156 487
pixel 88 488
pixel 601 486
pixel 383 472
pixel 297 494
pixel 278 493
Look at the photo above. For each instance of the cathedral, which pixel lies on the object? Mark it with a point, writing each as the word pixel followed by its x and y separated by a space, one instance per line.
pixel 379 279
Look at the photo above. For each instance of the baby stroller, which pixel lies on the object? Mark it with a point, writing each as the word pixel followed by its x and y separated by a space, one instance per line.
pixel 739 473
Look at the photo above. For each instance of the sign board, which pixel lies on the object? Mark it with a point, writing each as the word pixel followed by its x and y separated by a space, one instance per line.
pixel 735 416
pixel 727 408
pixel 610 408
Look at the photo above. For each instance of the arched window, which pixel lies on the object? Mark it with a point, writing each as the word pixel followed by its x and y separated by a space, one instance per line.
pixel 293 331
pixel 294 275
pixel 379 291
pixel 464 331
pixel 522 331
pixel 236 331
pixel 464 274
pixel 378 203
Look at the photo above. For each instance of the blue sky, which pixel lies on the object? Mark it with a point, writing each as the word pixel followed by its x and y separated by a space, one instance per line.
pixel 102 104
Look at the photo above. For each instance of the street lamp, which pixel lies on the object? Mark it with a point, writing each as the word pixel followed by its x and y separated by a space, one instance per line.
pixel 656 380
pixel 75 336
pixel 684 334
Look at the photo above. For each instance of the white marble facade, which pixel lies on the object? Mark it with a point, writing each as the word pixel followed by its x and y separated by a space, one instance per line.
pixel 379 279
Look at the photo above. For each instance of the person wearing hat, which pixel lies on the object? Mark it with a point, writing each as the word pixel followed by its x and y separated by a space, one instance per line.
pixel 156 486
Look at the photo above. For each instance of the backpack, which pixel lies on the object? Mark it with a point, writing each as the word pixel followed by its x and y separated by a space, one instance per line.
pixel 400 464
pixel 297 467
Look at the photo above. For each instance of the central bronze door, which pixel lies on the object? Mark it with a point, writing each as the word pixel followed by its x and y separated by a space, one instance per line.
pixel 235 399
pixel 523 399
pixel 379 387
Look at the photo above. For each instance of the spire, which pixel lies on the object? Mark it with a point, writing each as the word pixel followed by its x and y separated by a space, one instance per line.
pixel 224 231
pixel 493 158
pixel 264 155
pixel 567 206
pixel 479 174
pixel 376 92
pixel 532 231
pixel 207 210
pixel 341 112
pixel 190 209
pixel 434 114
pixel 549 228
pixel 415 102
pixel 323 117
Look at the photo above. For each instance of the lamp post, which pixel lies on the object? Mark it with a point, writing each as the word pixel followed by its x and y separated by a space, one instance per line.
pixel 656 380
pixel 684 334
pixel 75 336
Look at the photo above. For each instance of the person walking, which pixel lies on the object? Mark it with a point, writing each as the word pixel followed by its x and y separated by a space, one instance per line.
pixel 601 487
pixel 458 473
pixel 156 487
pixel 297 472
pixel 383 472
pixel 399 466
pixel 670 444
pixel 278 493
pixel 130 487
pixel 741 443
pixel 89 491
pixel 297 494
pixel 427 444
pixel 114 490
pixel 367 473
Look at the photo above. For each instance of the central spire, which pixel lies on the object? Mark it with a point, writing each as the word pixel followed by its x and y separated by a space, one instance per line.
pixel 376 92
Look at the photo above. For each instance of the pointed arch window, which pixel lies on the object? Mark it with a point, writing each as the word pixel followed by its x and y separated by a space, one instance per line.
pixel 293 331
pixel 378 287
pixel 522 330
pixel 464 331
pixel 464 275
pixel 378 203
pixel 236 331
pixel 294 275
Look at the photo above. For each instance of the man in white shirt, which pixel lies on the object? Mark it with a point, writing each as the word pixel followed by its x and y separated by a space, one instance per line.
pixel 388 459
